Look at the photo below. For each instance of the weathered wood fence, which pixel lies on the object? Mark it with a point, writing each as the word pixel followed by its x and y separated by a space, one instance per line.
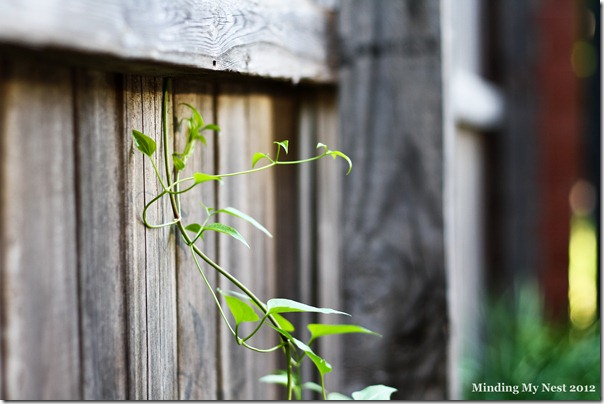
pixel 96 306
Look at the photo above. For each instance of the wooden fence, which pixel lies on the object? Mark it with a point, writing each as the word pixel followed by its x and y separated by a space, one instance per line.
pixel 96 306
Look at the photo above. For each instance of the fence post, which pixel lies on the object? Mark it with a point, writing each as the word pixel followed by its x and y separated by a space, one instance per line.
pixel 394 250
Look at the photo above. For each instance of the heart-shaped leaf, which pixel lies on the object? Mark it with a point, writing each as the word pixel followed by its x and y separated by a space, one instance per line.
pixel 196 119
pixel 223 228
pixel 241 311
pixel 178 163
pixel 322 365
pixel 203 177
pixel 375 392
pixel 284 145
pixel 237 213
pixel 275 379
pixel 194 227
pixel 282 321
pixel 337 397
pixel 144 143
pixel 211 126
pixel 291 306
pixel 259 156
pixel 320 330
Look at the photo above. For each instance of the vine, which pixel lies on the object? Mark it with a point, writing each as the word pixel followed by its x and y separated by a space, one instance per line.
pixel 243 304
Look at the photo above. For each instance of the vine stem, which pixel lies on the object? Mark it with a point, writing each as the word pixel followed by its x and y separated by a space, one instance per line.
pixel 175 204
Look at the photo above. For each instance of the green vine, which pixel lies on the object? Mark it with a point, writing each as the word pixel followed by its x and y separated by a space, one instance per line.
pixel 243 304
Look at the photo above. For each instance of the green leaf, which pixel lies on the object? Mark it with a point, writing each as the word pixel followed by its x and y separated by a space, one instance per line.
pixel 274 379
pixel 241 311
pixel 337 396
pixel 324 146
pixel 196 118
pixel 259 156
pixel 178 163
pixel 144 143
pixel 211 126
pixel 284 145
pixel 312 387
pixel 228 230
pixel 203 177
pixel 201 138
pixel 194 227
pixel 291 306
pixel 375 392
pixel 322 365
pixel 283 322
pixel 247 218
pixel 335 153
pixel 320 330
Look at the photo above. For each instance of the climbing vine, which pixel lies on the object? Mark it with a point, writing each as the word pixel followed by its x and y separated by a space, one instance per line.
pixel 243 305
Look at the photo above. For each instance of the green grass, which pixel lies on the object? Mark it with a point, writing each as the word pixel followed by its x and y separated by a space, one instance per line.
pixel 520 348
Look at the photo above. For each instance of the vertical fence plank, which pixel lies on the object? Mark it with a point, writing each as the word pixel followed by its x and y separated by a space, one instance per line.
pixel 134 241
pixel 394 256
pixel 40 307
pixel 236 362
pixel 197 327
pixel 99 192
pixel 161 275
pixel 328 227
pixel 307 257
pixel 262 207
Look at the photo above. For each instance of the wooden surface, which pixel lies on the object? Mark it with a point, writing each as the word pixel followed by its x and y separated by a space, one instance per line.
pixel 270 38
pixel 100 307
pixel 134 235
pixel 99 192
pixel 40 322
pixel 394 259
pixel 197 327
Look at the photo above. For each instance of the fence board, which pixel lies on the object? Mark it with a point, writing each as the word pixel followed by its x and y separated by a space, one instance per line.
pixel 262 208
pixel 391 115
pixel 39 262
pixel 307 258
pixel 134 238
pixel 160 255
pixel 99 191
pixel 234 256
pixel 268 38
pixel 197 326
pixel 328 227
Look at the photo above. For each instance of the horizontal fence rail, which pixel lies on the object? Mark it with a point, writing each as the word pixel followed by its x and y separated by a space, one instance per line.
pixel 262 38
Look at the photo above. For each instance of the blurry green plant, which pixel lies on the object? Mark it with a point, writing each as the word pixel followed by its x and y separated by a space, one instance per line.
pixel 521 348
pixel 244 306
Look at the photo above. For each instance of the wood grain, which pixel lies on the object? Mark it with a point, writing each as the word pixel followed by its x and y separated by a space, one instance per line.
pixel 261 196
pixel 236 366
pixel 160 256
pixel 99 220
pixel 134 239
pixel 268 38
pixel 197 322
pixel 38 216
pixel 329 179
pixel 391 119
